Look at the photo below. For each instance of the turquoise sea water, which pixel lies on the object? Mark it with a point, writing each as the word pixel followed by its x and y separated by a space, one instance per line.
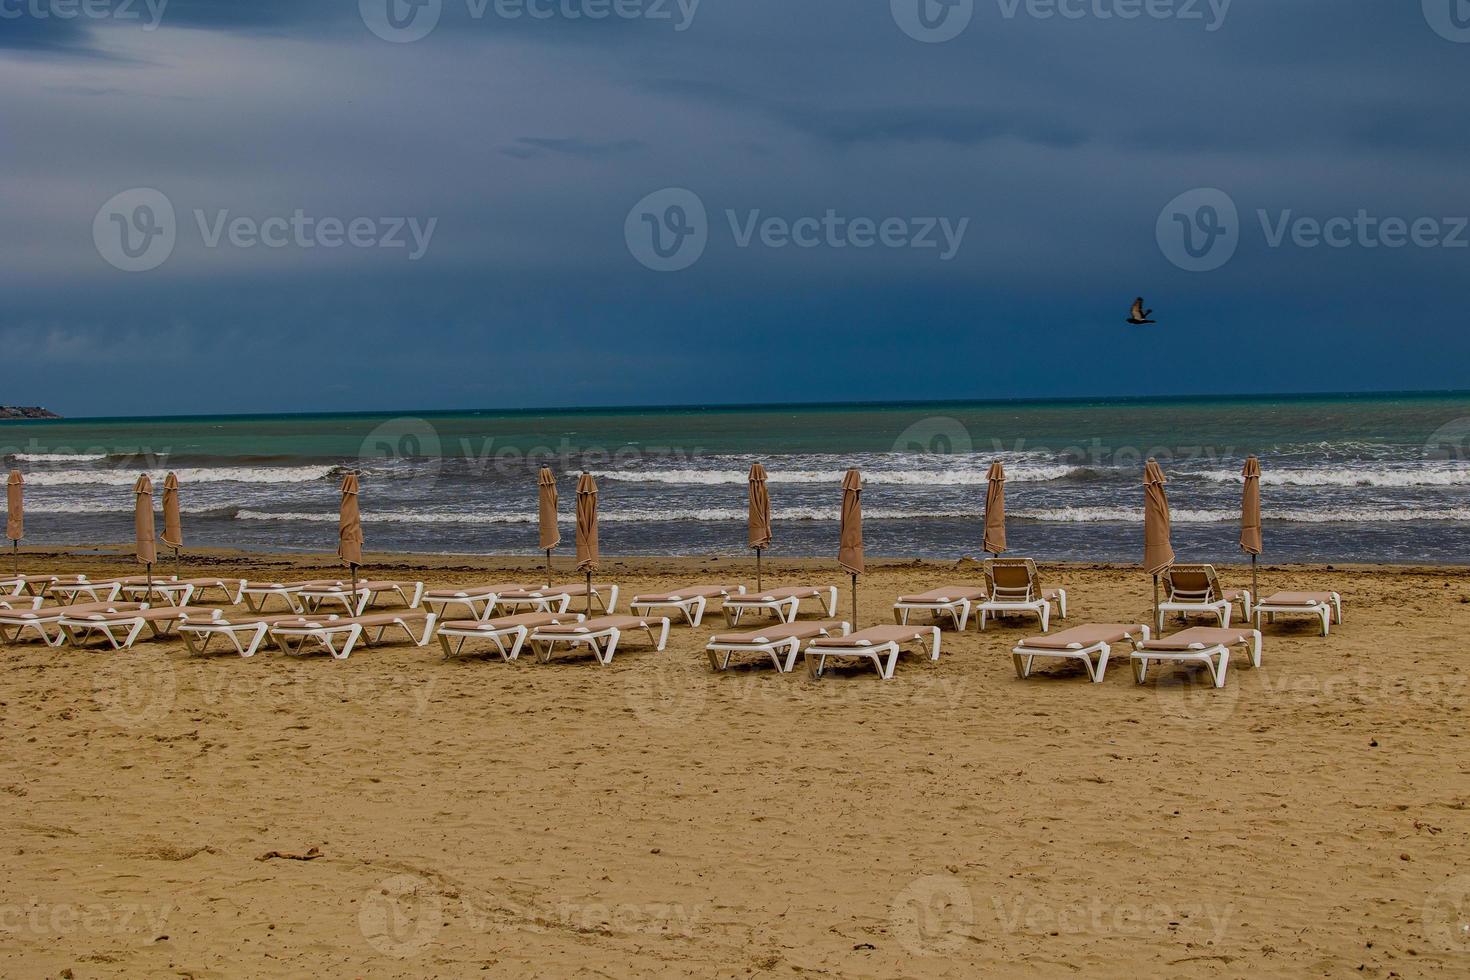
pixel 1366 477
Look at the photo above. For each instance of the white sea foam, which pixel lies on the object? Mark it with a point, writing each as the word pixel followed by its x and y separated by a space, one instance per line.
pixel 1425 474
pixel 1339 515
pixel 912 477
pixel 58 457
pixel 187 476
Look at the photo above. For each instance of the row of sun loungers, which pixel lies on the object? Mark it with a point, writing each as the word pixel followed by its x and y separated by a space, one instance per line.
pixel 540 616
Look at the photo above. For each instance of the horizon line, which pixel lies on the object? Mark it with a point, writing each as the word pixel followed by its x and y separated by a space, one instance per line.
pixel 767 406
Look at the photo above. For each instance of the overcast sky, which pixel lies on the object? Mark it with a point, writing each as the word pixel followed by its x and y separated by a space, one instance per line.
pixel 460 204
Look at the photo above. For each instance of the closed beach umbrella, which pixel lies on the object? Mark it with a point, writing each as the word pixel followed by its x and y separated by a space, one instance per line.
pixel 760 517
pixel 587 530
pixel 15 508
pixel 349 529
pixel 995 510
pixel 1158 553
pixel 173 531
pixel 546 505
pixel 144 545
pixel 850 537
pixel 1250 517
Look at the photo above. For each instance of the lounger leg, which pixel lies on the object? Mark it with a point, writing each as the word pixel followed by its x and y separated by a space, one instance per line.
pixel 1140 669
pixel 934 646
pixel 1325 616
pixel 1023 664
pixel 352 636
pixel 1102 664
pixel 255 640
pixel 793 649
pixel 1224 665
pixel 515 647
pixel 663 635
pixel 964 615
pixel 887 673
pixel 831 603
pixel 1045 616
pixel 700 604
pixel 612 645
pixel 1256 650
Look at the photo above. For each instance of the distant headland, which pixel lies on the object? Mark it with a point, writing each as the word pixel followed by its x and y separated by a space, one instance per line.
pixel 26 412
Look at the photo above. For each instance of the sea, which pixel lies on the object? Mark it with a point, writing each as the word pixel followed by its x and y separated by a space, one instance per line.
pixel 1350 478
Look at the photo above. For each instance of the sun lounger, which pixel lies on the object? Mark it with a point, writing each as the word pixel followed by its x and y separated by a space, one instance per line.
pixel 71 591
pixel 1078 643
pixel 691 601
pixel 1195 590
pixel 339 634
pixel 121 628
pixel 1200 644
pixel 256 594
pixel 951 601
pixel 601 633
pixel 39 584
pixel 872 644
pixel 1015 587
pixel 14 622
pixel 506 629
pixel 228 588
pixel 783 602
pixel 774 641
pixel 1326 606
pixel 558 598
pixel 254 628
pixel 181 592
pixel 21 601
pixel 480 600
pixel 316 594
pixel 13 586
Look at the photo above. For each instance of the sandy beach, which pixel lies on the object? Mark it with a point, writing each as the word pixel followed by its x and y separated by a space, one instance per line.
pixel 652 817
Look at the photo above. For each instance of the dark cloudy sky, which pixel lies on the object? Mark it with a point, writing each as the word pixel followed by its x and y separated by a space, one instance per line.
pixel 1056 144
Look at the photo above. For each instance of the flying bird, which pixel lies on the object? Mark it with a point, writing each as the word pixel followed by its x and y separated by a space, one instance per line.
pixel 1138 314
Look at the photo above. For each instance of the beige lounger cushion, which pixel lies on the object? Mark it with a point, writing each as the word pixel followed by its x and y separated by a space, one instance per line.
pixel 599 623
pixel 790 592
pixel 781 631
pixel 876 636
pixel 76 609
pixel 951 593
pixel 1080 637
pixel 529 620
pixel 1298 599
pixel 1199 636
pixel 461 591
pixel 692 592
pixel 152 614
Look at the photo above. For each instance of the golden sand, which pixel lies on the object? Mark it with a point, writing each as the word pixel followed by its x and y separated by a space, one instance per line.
pixel 652 817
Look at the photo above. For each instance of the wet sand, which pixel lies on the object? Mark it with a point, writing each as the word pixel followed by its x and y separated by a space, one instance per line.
pixel 652 817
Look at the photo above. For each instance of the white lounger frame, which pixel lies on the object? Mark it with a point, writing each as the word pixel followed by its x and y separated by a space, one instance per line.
pixel 783 652
pixel 692 608
pixel 173 593
pixel 957 610
pixel 816 654
pixel 198 635
pixel 785 609
pixel 1023 656
pixel 313 597
pixel 66 593
pixel 1214 656
pixel 1007 601
pixel 1190 602
pixel 120 631
pixel 1328 613
pixel 554 601
pixel 338 636
pixel 479 603
pixel 498 636
pixel 256 594
pixel 604 642
pixel 13 624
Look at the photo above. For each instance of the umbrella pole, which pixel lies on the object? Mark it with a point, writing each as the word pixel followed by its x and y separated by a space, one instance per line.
pixel 149 573
pixel 1156 599
pixel 548 568
pixel 15 556
pixel 176 563
pixel 353 569
pixel 589 593
pixel 758 569
pixel 854 602
pixel 1255 589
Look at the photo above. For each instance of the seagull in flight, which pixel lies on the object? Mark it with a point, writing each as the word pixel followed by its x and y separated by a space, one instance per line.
pixel 1138 315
